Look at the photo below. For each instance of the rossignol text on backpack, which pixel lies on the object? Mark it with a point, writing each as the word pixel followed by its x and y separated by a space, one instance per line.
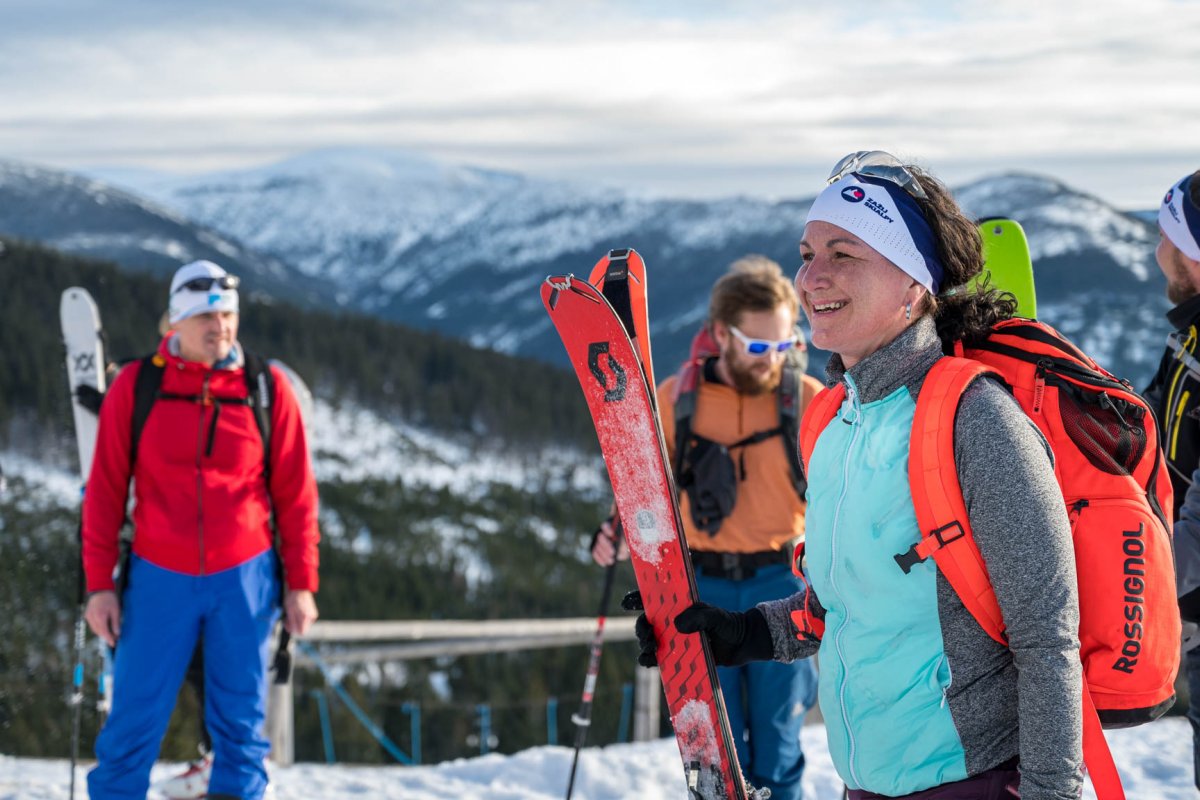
pixel 704 469
pixel 1110 467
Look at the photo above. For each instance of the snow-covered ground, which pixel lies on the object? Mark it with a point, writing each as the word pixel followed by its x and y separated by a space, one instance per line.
pixel 1154 760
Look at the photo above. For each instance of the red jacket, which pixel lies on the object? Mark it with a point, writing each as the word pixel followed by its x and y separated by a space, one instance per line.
pixel 199 513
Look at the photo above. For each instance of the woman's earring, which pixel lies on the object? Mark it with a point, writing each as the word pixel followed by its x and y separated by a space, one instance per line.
pixel 907 312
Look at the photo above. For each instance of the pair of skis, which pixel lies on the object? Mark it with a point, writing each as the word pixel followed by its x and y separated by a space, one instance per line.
pixel 86 369
pixel 603 325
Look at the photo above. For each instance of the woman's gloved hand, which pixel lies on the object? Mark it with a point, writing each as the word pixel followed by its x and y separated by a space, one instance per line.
pixel 735 637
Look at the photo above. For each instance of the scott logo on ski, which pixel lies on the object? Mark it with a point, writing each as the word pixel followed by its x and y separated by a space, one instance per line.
pixel 617 391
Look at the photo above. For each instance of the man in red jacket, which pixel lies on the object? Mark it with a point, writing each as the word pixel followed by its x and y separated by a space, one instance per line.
pixel 203 565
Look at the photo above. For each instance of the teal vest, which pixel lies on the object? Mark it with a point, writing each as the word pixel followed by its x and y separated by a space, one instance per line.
pixel 884 673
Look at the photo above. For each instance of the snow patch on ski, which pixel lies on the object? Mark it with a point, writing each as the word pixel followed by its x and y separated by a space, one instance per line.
pixel 696 730
pixel 639 473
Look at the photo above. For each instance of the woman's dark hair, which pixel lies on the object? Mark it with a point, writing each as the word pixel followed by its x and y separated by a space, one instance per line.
pixel 960 313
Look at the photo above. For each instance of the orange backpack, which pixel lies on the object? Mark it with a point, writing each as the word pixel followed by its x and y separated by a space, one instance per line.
pixel 1109 465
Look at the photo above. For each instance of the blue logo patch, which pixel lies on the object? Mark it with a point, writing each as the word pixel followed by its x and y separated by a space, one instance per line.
pixel 853 194
pixel 213 298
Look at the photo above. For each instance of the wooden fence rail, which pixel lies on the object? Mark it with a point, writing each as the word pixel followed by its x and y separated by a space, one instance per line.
pixel 350 642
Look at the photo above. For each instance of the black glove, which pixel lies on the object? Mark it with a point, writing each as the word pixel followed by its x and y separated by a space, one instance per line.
pixel 735 637
pixel 89 397
pixel 648 647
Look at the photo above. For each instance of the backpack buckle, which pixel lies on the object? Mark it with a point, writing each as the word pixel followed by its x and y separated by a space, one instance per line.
pixel 948 533
pixel 733 567
pixel 925 548
pixel 910 559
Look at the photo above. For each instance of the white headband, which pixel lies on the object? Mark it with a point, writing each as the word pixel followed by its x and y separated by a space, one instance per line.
pixel 185 303
pixel 890 222
pixel 1180 220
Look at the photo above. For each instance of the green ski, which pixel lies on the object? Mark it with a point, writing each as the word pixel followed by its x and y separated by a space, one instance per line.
pixel 1007 261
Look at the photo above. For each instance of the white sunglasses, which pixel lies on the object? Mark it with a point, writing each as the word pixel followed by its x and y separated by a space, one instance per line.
pixel 760 347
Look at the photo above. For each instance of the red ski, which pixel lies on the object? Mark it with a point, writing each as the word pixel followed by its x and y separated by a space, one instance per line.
pixel 631 440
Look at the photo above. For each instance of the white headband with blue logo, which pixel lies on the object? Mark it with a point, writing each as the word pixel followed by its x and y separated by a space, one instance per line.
pixel 186 302
pixel 1180 219
pixel 887 219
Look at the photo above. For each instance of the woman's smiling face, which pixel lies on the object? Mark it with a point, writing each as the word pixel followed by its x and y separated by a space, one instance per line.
pixel 854 298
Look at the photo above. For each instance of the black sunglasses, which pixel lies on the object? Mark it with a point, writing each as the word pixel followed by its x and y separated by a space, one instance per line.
pixel 205 284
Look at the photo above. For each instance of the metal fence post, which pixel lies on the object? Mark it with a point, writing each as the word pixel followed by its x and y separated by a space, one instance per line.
pixel 647 688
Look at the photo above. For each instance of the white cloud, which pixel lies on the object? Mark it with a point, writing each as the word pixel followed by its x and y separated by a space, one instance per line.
pixel 713 97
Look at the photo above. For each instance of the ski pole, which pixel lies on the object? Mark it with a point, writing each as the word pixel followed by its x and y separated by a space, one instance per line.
pixel 583 718
pixel 76 701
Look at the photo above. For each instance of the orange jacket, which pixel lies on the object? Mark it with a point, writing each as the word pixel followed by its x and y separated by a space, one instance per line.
pixel 768 512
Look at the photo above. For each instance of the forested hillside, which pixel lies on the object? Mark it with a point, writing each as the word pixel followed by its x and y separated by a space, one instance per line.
pixel 392 546
pixel 425 378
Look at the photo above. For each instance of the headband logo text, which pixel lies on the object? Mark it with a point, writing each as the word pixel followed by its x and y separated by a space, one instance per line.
pixel 879 209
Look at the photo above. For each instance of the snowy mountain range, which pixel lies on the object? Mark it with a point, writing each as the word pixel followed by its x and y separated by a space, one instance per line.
pixel 87 217
pixel 462 250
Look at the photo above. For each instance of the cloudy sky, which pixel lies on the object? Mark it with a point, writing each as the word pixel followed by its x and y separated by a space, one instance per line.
pixel 681 98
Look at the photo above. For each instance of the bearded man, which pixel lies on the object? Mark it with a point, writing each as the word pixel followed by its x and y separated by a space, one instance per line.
pixel 1174 394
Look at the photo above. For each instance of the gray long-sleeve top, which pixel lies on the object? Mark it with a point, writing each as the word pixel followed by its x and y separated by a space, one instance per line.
pixel 1024 699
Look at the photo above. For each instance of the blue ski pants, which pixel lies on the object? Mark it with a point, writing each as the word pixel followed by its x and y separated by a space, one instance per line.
pixel 164 613
pixel 766 700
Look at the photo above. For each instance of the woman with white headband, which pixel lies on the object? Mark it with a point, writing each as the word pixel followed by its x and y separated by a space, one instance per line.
pixel 919 702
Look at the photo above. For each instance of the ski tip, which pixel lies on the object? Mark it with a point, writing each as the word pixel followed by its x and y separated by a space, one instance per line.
pixel 555 285
pixel 559 282
pixel 631 264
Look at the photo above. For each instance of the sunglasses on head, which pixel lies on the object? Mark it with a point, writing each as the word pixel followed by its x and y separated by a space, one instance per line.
pixel 760 347
pixel 878 164
pixel 206 283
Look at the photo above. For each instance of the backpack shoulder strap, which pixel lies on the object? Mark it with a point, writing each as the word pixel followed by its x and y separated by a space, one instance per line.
pixel 687 383
pixel 788 397
pixel 260 394
pixel 145 392
pixel 937 494
pixel 820 412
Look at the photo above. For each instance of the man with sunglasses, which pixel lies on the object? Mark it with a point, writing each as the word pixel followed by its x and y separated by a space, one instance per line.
pixel 1174 393
pixel 209 503
pixel 729 419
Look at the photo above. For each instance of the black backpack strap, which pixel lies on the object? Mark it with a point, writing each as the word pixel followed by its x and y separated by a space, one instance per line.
pixel 685 409
pixel 260 394
pixel 789 396
pixel 755 438
pixel 145 392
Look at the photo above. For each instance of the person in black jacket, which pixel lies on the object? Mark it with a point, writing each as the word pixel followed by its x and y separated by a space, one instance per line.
pixel 1174 393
